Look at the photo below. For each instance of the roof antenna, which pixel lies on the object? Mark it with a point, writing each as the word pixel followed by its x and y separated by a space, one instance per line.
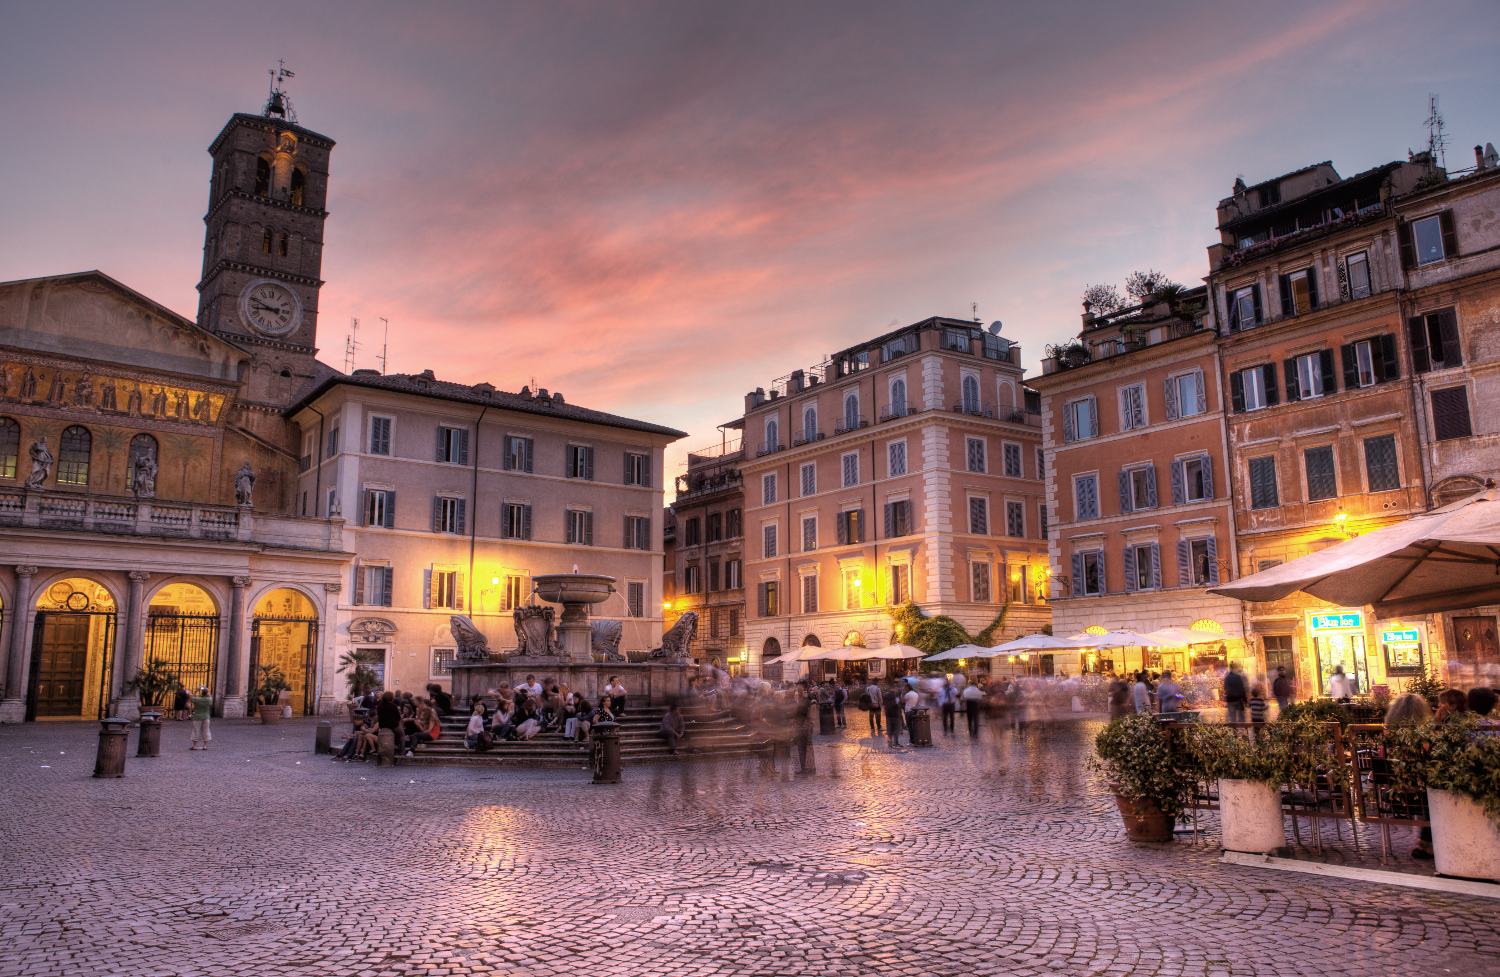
pixel 351 343
pixel 974 308
pixel 385 343
pixel 279 103
pixel 1437 142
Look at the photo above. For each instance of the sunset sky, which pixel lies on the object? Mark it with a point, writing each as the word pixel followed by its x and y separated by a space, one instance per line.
pixel 655 207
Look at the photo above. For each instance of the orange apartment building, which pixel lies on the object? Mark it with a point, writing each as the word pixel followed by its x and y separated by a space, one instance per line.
pixel 904 468
pixel 705 546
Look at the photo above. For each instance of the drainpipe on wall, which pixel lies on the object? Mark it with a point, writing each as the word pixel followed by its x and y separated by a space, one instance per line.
pixel 318 454
pixel 474 516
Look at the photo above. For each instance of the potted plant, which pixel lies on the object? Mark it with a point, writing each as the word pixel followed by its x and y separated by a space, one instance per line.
pixel 153 682
pixel 1150 781
pixel 268 693
pixel 1426 686
pixel 1460 770
pixel 1250 771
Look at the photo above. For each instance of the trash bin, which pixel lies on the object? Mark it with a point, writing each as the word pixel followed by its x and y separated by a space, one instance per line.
pixel 921 728
pixel 149 743
pixel 113 733
pixel 323 742
pixel 605 752
pixel 825 718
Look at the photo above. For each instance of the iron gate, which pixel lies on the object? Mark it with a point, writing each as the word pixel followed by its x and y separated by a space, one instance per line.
pixel 291 644
pixel 188 644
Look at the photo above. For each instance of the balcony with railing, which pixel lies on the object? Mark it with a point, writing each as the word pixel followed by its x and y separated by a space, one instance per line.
pixel 696 484
pixel 893 412
pixel 806 437
pixel 848 424
pixel 128 516
pixel 768 448
pixel 974 408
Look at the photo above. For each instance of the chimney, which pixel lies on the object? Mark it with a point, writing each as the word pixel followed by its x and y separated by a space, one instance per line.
pixel 1478 157
pixel 1088 315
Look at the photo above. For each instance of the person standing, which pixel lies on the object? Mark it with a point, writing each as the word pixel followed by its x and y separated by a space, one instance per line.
pixel 890 701
pixel 1281 688
pixel 180 703
pixel 1339 686
pixel 1119 698
pixel 973 699
pixel 203 705
pixel 1236 695
pixel 1168 693
pixel 840 697
pixel 872 694
pixel 1142 694
pixel 948 704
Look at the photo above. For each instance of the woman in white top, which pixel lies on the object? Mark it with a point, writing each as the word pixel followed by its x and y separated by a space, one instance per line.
pixel 476 726
pixel 1339 686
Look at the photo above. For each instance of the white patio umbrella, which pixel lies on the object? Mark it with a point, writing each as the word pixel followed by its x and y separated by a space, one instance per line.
pixel 847 653
pixel 960 651
pixel 894 651
pixel 1187 635
pixel 1130 639
pixel 1446 560
pixel 1041 642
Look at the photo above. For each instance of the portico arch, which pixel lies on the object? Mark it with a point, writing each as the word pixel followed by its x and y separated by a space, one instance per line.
pixel 284 640
pixel 72 648
pixel 182 633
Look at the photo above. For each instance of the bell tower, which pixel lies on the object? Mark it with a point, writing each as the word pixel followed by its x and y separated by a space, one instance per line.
pixel 263 250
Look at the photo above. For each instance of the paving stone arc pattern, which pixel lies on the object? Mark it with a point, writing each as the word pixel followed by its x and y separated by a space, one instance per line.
pixel 258 858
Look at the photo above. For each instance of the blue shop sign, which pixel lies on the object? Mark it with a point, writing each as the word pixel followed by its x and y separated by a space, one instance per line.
pixel 1399 637
pixel 1338 622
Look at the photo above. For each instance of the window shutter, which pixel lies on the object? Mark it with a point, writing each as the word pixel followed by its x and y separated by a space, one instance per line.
pixel 427 588
pixel 1170 390
pixel 527 446
pixel 629 536
pixel 842 523
pixel 644 533
pixel 1408 248
pixel 390 509
pixel 1448 331
pixel 890 520
pixel 462 505
pixel 1351 364
pixel 1450 234
pixel 463 447
pixel 1234 310
pixel 1255 296
pixel 1184 563
pixel 1093 417
pixel 1202 392
pixel 588 529
pixel 525 522
pixel 510 445
pixel 390 579
pixel 364 519
pixel 458 591
pixel 1325 362
pixel 857 526
pixel 1390 365
pixel 1293 388
pixel 1237 392
pixel 1179 490
pixel 1125 501
pixel 1103 583
pixel 1077 574
pixel 1312 287
pixel 1286 296
pixel 1272 398
pixel 1129 569
pixel 1156 565
pixel 760 597
pixel 1213 560
pixel 1416 331
pixel 646 469
pixel 440 444
pixel 1208 477
pixel 1151 487
pixel 437 513
pixel 1068 434
pixel 1450 413
pixel 588 463
pixel 359 584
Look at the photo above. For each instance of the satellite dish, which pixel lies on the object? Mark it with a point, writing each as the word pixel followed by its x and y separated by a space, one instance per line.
pixel 995 328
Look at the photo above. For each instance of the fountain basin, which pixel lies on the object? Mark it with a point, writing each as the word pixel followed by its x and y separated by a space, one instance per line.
pixel 574 588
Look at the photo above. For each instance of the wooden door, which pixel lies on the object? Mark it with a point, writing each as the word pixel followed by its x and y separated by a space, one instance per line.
pixel 1475 641
pixel 64 657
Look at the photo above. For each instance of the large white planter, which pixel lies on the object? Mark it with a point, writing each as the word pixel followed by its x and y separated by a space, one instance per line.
pixel 1250 815
pixel 1464 842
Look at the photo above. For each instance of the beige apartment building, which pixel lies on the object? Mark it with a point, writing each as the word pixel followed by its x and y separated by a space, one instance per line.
pixel 456 495
pixel 1138 484
pixel 705 540
pixel 905 468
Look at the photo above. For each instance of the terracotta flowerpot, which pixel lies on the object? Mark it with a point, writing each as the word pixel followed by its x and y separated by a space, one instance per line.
pixel 1144 820
pixel 1465 842
pixel 1250 816
pixel 270 715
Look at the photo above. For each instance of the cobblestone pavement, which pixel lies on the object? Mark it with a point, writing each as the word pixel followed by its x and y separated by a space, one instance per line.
pixel 259 858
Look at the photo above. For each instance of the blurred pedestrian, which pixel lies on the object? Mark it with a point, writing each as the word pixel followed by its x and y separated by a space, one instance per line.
pixel 871 702
pixel 180 704
pixel 1235 693
pixel 890 701
pixel 948 703
pixel 1282 689
pixel 1257 705
pixel 973 700
pixel 1168 694
pixel 1339 687
pixel 840 697
pixel 1141 693
pixel 203 705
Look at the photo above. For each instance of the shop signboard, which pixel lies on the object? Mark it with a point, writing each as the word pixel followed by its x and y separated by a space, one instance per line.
pixel 1403 651
pixel 1339 639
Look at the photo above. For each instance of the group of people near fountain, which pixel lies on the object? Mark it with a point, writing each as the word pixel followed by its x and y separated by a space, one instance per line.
pixel 412 720
pixel 533 707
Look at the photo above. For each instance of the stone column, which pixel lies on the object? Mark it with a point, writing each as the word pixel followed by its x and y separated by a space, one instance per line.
pixel 13 707
pixel 234 661
pixel 128 704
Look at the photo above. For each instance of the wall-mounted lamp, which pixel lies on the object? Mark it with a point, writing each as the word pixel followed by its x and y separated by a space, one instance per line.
pixel 1341 524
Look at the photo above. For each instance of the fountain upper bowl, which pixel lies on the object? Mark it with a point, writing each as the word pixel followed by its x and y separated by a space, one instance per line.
pixel 574 588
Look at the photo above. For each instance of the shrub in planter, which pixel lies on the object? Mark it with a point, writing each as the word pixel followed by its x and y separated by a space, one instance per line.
pixel 268 693
pixel 1460 770
pixel 153 682
pixel 1316 710
pixel 1151 782
pixel 1250 771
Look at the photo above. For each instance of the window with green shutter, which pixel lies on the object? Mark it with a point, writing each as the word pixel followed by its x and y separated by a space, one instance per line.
pixel 1263 494
pixel 1380 463
pixel 1321 480
pixel 1450 414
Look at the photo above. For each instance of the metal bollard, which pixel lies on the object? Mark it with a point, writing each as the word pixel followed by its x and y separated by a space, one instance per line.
pixel 605 752
pixel 323 743
pixel 149 743
pixel 387 740
pixel 113 733
pixel 920 733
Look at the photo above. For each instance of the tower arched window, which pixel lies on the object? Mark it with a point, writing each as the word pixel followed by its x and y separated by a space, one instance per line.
pixel 299 183
pixel 898 397
pixel 281 250
pixel 10 447
pixel 73 455
pixel 851 412
pixel 265 244
pixel 971 395
pixel 262 178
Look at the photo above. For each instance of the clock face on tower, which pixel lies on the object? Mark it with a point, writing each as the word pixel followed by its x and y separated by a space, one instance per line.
pixel 270 308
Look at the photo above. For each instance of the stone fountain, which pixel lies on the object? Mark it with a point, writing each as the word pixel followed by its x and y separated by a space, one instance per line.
pixel 575 592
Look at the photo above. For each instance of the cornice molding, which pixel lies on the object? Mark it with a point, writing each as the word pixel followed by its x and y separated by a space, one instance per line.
pixel 235 193
pixel 224 264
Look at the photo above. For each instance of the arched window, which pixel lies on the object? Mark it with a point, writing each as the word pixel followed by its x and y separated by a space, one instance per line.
pixel 810 423
pixel 851 412
pixel 773 435
pixel 854 640
pixel 299 182
pixel 73 456
pixel 10 447
pixel 811 641
pixel 142 446
pixel 262 178
pixel 771 649
pixel 265 244
pixel 898 397
pixel 282 249
pixel 971 395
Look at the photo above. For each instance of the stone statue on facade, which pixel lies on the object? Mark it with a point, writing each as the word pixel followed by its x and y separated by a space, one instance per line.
pixel 472 646
pixel 535 636
pixel 244 485
pixel 143 479
pixel 41 464
pixel 606 641
pixel 676 643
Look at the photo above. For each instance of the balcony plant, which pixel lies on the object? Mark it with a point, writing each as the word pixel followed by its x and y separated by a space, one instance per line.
pixel 1151 782
pixel 1458 764
pixel 153 682
pixel 268 693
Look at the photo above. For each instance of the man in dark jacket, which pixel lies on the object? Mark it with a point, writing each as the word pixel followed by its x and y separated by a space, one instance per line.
pixel 890 699
pixel 388 716
pixel 1235 694
pixel 1282 689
